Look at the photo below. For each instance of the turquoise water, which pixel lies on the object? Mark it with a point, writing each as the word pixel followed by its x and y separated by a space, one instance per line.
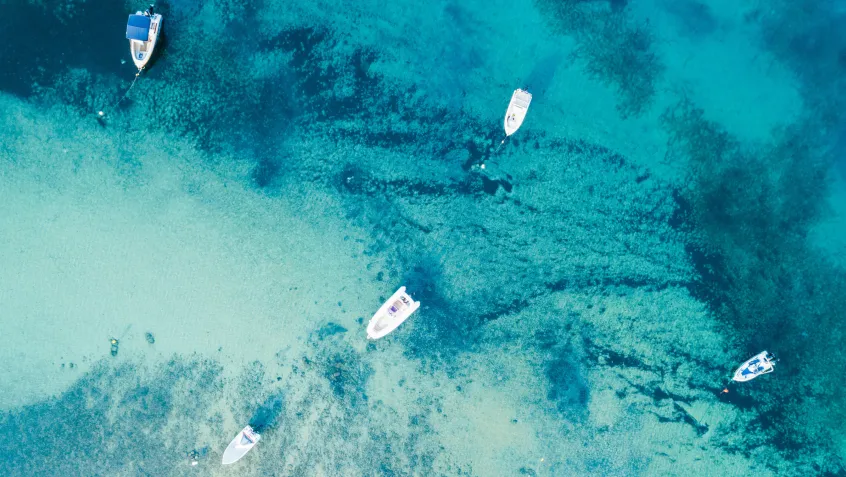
pixel 207 254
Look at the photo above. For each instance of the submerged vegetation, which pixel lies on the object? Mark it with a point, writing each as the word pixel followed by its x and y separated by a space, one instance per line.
pixel 115 419
pixel 615 49
pixel 749 212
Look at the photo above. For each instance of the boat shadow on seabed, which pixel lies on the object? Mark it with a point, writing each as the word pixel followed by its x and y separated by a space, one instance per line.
pixel 267 415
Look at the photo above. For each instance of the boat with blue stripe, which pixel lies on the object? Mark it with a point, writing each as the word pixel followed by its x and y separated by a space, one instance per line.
pixel 760 364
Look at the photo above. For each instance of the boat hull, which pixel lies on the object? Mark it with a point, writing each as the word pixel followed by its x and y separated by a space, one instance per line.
pixel 754 367
pixel 240 445
pixel 385 320
pixel 142 51
pixel 517 109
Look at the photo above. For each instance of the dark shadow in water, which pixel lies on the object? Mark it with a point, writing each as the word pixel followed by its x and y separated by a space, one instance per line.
pixel 540 79
pixel 265 171
pixel 267 414
pixel 159 52
pixel 694 18
pixel 442 327
pixel 329 329
pixel 838 149
pixel 421 279
pixel 567 388
pixel 306 47
pixel 38 45
pixel 615 5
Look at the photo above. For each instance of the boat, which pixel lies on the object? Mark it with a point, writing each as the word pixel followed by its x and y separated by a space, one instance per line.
pixel 761 363
pixel 392 314
pixel 142 31
pixel 240 445
pixel 517 109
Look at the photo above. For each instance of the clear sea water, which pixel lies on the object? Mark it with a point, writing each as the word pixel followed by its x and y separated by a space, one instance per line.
pixel 207 255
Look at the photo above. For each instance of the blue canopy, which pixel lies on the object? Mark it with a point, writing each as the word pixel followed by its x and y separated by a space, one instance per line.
pixel 138 27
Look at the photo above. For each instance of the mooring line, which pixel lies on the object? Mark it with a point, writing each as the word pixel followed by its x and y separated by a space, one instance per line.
pixel 102 113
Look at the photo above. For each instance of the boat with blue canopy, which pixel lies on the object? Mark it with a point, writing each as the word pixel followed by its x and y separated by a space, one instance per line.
pixel 142 31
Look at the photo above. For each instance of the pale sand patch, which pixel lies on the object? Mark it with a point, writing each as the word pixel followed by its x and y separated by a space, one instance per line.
pixel 170 246
pixel 475 424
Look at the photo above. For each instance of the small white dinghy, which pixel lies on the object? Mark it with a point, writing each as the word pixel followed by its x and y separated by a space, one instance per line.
pixel 396 310
pixel 517 109
pixel 761 363
pixel 142 31
pixel 240 445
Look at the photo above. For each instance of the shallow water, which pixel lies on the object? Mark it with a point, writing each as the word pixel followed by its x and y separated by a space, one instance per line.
pixel 207 255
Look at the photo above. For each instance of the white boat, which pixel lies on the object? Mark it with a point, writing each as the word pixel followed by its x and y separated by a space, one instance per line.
pixel 396 310
pixel 761 363
pixel 142 31
pixel 240 445
pixel 517 109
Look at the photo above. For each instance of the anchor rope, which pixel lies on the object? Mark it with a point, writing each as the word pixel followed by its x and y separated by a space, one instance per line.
pixel 102 113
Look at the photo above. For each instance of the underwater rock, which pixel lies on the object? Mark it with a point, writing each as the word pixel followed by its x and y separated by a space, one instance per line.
pixel 330 329
pixel 268 412
pixel 567 388
pixel 490 186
